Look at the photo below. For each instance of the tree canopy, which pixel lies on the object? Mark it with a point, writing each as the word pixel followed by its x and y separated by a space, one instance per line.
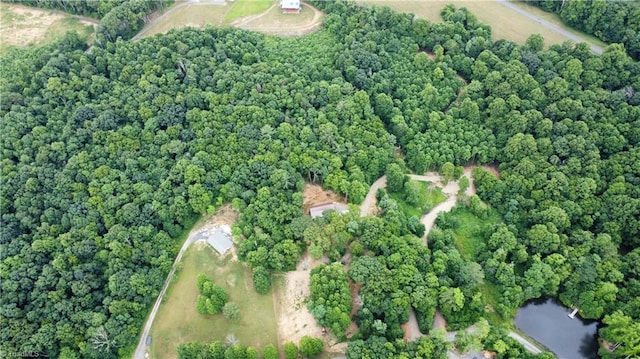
pixel 109 156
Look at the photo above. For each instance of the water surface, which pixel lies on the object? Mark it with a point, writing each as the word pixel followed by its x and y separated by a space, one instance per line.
pixel 547 322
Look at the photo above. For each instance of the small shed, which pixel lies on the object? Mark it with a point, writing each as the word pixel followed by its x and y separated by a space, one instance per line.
pixel 219 239
pixel 317 211
pixel 290 6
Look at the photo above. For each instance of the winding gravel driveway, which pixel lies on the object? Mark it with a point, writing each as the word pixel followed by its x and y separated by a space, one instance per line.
pixel 451 191
pixel 596 49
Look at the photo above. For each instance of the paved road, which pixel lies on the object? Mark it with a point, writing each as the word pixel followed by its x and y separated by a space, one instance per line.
pixel 530 347
pixel 596 49
pixel 141 349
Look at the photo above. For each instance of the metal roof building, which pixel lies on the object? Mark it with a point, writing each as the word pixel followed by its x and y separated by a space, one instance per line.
pixel 219 238
pixel 317 211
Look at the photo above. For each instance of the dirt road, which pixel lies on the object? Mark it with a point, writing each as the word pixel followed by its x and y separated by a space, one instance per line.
pixel 224 215
pixel 141 349
pixel 596 49
pixel 253 23
pixel 370 199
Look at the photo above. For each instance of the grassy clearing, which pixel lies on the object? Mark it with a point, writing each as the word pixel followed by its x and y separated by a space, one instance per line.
pixel 178 321
pixel 469 233
pixel 242 8
pixel 491 295
pixel 470 230
pixel 275 18
pixel 421 203
pixel 555 19
pixel 22 26
pixel 505 23
pixel 254 15
pixel 189 16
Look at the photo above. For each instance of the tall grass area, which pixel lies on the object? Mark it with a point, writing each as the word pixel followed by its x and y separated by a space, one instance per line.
pixel 178 321
pixel 419 200
pixel 470 231
pixel 60 27
pixel 242 8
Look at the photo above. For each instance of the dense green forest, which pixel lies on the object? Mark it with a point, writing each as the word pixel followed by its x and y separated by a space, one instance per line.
pixel 610 21
pixel 109 156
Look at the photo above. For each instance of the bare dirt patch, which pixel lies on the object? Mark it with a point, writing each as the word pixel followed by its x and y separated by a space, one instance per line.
pixel 290 298
pixel 23 26
pixel 223 215
pixel 493 169
pixel 411 328
pixel 430 54
pixel 293 318
pixel 314 194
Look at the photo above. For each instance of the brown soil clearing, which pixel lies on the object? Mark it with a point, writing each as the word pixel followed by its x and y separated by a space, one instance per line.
pixel 28 26
pixel 314 194
pixel 290 298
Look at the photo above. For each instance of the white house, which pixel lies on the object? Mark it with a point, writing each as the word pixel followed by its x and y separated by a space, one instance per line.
pixel 318 211
pixel 289 6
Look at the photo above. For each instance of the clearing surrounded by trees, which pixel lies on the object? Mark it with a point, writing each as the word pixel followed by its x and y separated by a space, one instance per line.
pixel 261 16
pixel 22 26
pixel 179 322
pixel 504 22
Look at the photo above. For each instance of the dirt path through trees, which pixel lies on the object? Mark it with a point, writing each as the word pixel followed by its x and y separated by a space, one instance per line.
pixel 450 189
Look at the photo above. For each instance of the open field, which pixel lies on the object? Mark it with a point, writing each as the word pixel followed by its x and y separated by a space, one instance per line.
pixel 188 16
pixel 555 19
pixel 22 26
pixel 274 22
pixel 178 321
pixel 255 15
pixel 504 22
pixel 242 8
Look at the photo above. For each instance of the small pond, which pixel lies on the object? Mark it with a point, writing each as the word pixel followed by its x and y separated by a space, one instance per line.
pixel 547 322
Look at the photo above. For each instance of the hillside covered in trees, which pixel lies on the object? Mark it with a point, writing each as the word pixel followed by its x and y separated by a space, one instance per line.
pixel 109 156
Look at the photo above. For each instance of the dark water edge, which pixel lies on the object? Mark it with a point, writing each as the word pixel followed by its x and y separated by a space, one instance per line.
pixel 547 322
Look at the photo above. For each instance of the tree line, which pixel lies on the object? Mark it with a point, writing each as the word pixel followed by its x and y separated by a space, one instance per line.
pixel 609 21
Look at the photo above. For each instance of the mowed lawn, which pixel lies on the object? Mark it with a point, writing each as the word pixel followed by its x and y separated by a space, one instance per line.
pixel 23 26
pixel 242 8
pixel 178 321
pixel 275 18
pixel 201 15
pixel 505 23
